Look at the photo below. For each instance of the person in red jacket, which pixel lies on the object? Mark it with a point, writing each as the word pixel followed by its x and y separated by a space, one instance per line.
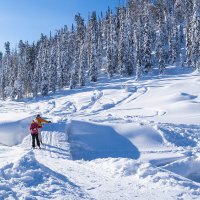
pixel 39 121
pixel 34 133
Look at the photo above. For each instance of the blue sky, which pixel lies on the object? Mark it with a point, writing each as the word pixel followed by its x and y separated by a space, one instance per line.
pixel 27 19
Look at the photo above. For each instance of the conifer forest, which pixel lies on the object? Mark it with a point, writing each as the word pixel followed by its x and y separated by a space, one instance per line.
pixel 131 40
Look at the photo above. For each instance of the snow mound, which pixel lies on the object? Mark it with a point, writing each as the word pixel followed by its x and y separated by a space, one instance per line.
pixel 181 135
pixel 178 97
pixel 91 141
pixel 188 167
pixel 157 178
pixel 28 179
pixel 12 133
pixel 142 136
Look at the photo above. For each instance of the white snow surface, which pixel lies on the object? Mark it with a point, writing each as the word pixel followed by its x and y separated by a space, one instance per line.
pixel 117 139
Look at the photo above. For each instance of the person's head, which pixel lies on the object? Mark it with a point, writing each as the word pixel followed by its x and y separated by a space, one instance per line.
pixel 37 116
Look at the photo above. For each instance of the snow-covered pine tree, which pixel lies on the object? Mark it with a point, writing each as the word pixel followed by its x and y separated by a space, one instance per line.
pixel 139 42
pixel 100 44
pixel 76 63
pixel 29 59
pixel 130 43
pixel 92 28
pixel 105 27
pixel 189 44
pixel 83 65
pixel 110 43
pixel 138 56
pixel 134 37
pixel 188 29
pixel 80 29
pixel 66 56
pixel 160 52
pixel 2 84
pixel 59 62
pixel 181 20
pixel 147 39
pixel 52 66
pixel 81 61
pixel 74 57
pixel 31 54
pixel 37 70
pixel 187 10
pixel 109 61
pixel 179 11
pixel 1 60
pixel 21 78
pixel 13 83
pixel 44 66
pixel 122 54
pixel 196 35
pixel 173 45
pixel 161 41
pixel 7 69
pixel 2 77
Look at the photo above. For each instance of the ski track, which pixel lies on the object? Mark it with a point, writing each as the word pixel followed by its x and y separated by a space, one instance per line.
pixel 139 92
pixel 91 106
pixel 96 96
pixel 130 97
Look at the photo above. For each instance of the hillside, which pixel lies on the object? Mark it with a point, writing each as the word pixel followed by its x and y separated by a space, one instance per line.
pixel 117 139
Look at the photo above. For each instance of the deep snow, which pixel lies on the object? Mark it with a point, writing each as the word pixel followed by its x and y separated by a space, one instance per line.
pixel 117 139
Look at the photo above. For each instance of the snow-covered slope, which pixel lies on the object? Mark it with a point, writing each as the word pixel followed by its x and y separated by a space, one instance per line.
pixel 117 139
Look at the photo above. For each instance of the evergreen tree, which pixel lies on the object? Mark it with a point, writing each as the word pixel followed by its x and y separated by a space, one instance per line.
pixel 52 66
pixel 44 66
pixel 93 68
pixel 196 35
pixel 83 65
pixel 14 86
pixel 7 70
pixel 37 70
pixel 189 44
pixel 59 61
pixel 122 55
pixel 100 44
pixel 110 45
pixel 22 71
pixel 31 54
pixel 147 40
pixel 3 84
pixel 160 51
pixel 1 60
pixel 2 77
pixel 74 57
pixel 66 56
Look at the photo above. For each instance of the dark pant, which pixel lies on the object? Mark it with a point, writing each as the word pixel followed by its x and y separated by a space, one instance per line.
pixel 35 137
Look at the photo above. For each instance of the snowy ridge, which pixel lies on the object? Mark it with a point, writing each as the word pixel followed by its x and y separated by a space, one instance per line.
pixel 121 140
pixel 21 179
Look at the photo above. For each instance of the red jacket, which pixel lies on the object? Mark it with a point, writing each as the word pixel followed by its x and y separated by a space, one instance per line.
pixel 34 128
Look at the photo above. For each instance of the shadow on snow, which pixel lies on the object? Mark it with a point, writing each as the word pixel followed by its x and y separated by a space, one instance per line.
pixel 91 141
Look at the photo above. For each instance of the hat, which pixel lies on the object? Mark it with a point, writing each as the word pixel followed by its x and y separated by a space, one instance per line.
pixel 38 115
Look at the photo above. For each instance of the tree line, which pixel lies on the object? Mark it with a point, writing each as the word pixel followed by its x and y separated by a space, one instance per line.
pixel 132 40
